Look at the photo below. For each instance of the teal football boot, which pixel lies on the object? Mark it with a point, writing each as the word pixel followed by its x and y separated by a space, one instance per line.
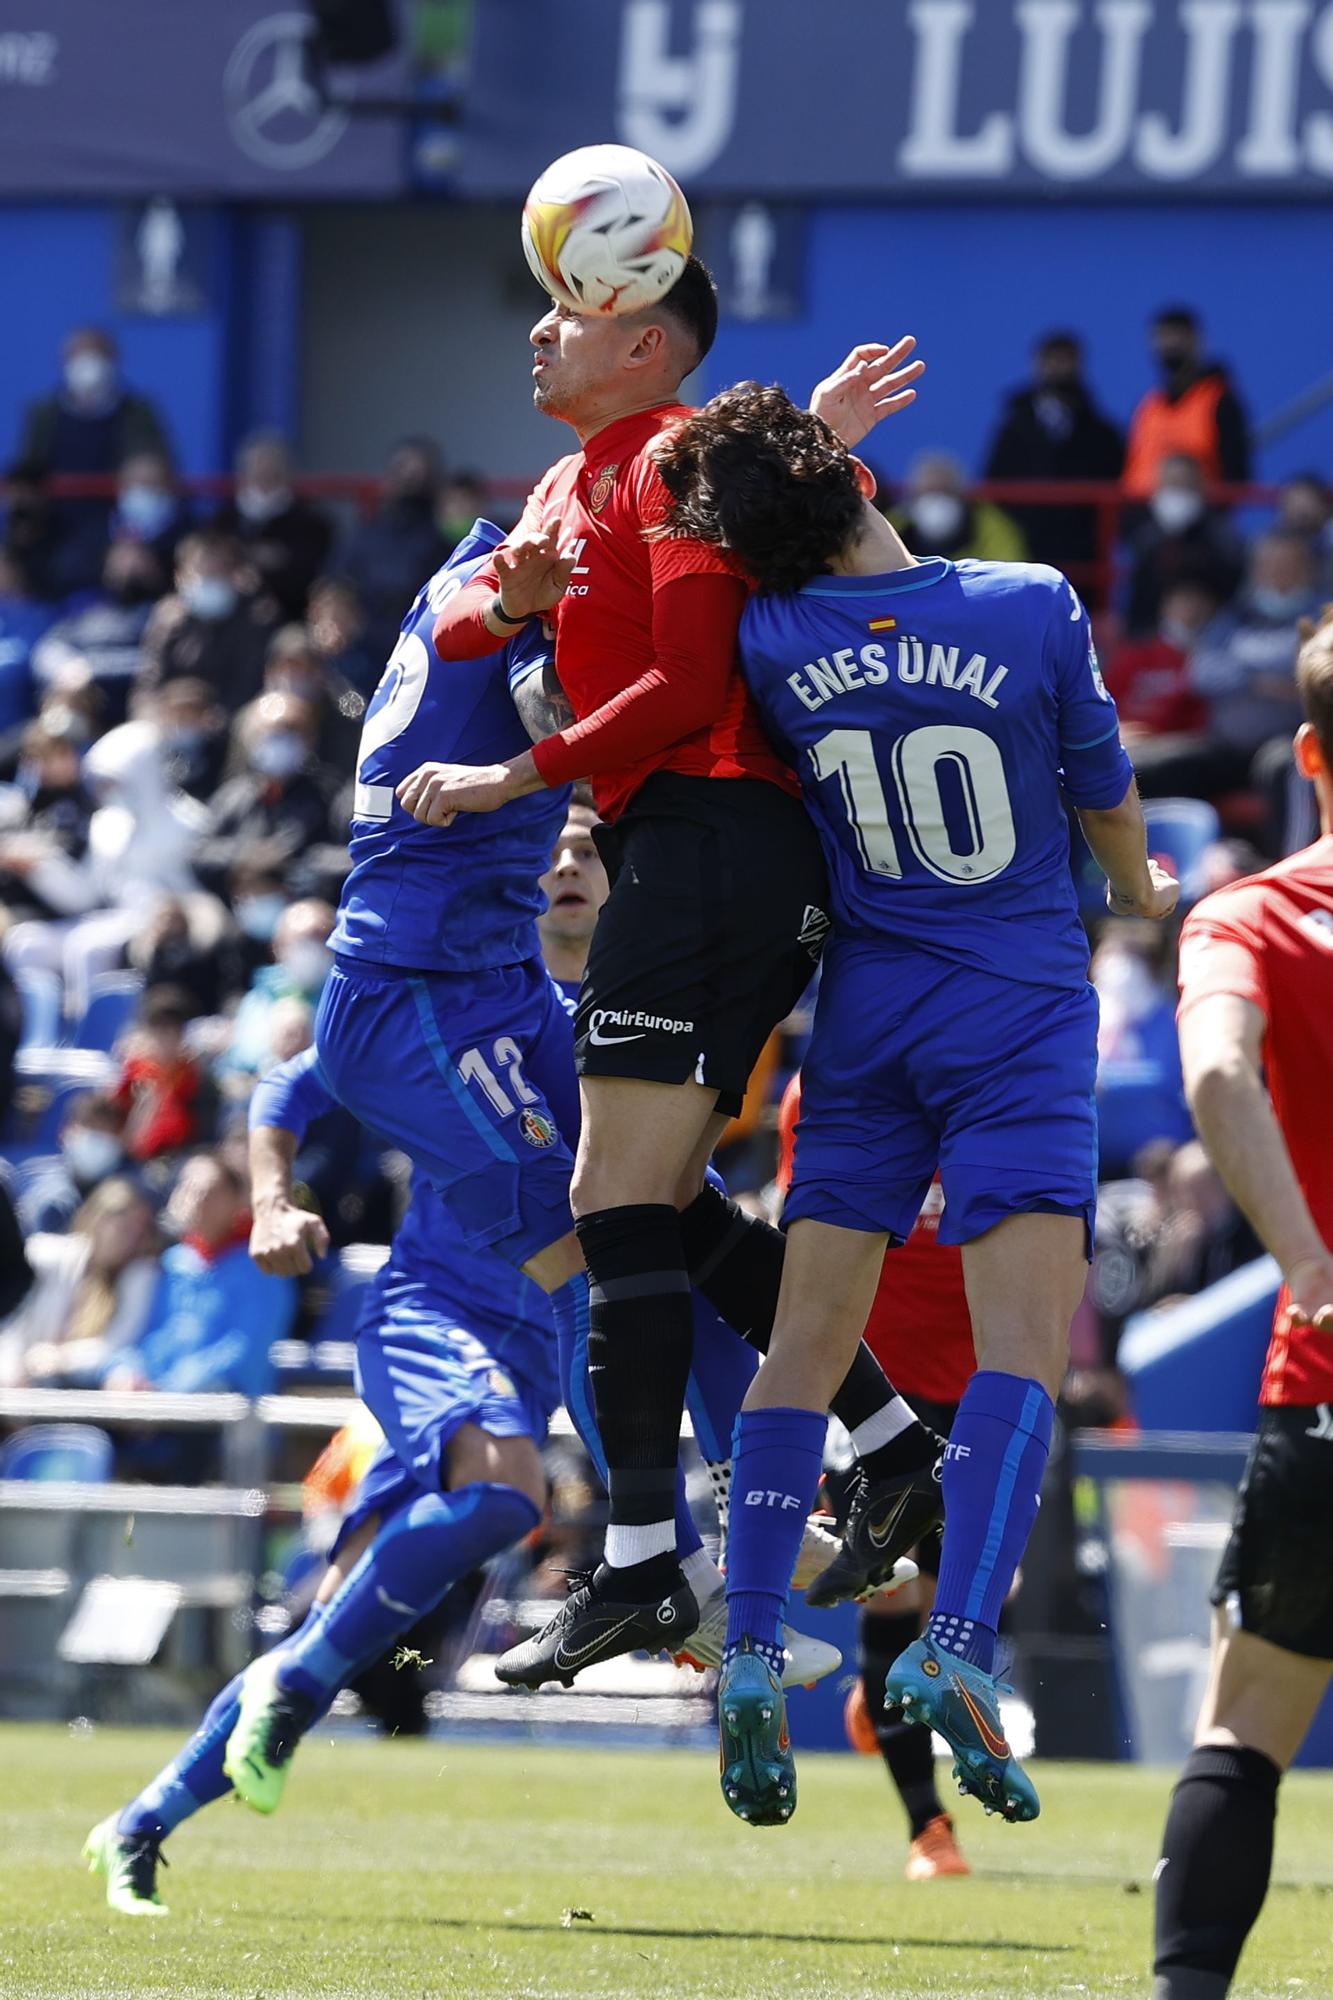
pixel 962 1704
pixel 758 1771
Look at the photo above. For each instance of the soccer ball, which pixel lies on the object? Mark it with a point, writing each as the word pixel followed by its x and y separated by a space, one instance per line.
pixel 606 230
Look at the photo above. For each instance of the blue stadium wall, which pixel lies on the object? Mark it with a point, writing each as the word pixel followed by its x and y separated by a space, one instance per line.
pixel 974 282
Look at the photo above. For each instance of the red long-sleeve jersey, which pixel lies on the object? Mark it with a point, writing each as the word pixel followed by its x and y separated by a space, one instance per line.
pixel 645 634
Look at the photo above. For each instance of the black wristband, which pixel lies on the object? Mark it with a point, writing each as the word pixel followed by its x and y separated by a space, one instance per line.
pixel 498 611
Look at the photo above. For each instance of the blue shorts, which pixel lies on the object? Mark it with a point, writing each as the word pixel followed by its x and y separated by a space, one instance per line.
pixel 472 1075
pixel 422 1377
pixel 917 1062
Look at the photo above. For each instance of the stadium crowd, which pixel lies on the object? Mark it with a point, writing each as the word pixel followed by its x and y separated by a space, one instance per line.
pixel 182 689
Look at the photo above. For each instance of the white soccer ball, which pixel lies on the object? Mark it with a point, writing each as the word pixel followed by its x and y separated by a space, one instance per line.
pixel 606 230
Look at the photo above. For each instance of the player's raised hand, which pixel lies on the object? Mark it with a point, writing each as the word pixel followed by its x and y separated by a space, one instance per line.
pixel 874 382
pixel 1157 900
pixel 436 793
pixel 533 574
pixel 285 1240
pixel 1310 1284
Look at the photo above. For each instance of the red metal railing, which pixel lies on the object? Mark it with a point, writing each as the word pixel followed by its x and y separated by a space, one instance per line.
pixel 364 491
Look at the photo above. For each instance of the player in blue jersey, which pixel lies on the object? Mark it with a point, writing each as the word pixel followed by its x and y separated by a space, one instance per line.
pixel 439 1029
pixel 939 716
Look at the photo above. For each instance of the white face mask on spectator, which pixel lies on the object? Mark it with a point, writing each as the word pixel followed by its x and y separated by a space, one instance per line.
pixel 307 963
pixel 90 376
pixel 91 1155
pixel 145 510
pixel 279 755
pixel 257 505
pixel 938 515
pixel 210 597
pixel 1175 508
pixel 259 916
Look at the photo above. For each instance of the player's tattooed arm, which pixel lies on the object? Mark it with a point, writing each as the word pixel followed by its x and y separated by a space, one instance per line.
pixel 543 706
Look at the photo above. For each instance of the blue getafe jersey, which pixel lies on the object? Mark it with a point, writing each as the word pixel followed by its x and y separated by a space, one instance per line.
pixel 460 898
pixel 475 1290
pixel 937 718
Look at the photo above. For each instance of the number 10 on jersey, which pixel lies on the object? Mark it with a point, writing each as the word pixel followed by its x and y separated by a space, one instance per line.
pixel 952 794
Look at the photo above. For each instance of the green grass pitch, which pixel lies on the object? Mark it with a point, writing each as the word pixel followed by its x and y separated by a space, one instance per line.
pixel 417 1869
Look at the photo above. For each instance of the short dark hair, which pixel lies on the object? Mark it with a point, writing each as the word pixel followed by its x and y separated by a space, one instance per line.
pixel 767 481
pixel 1314 678
pixel 166 1007
pixel 1060 338
pixel 692 303
pixel 1181 316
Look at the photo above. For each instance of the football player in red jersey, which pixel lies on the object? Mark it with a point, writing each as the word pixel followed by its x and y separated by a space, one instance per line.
pixel 1256 1040
pixel 715 921
pixel 920 1331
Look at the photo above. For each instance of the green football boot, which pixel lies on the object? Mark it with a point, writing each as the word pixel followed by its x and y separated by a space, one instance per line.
pixel 270 1724
pixel 129 1862
pixel 962 1704
pixel 758 1770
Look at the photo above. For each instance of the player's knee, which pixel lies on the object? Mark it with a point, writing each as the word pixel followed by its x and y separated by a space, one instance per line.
pixel 479 1458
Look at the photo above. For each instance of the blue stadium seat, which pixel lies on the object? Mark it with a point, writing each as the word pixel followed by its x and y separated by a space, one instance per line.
pixel 356 1266
pixel 1179 833
pixel 58 1451
pixel 112 1001
pixel 46 1081
pixel 40 991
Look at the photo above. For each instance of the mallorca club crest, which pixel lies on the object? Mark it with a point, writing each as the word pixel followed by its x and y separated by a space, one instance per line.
pixel 601 487
pixel 537 1128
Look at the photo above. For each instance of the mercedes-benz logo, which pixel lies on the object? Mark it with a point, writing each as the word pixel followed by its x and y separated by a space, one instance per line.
pixel 276 114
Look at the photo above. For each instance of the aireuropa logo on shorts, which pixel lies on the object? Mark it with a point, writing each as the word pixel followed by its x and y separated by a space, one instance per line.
pixel 631 1025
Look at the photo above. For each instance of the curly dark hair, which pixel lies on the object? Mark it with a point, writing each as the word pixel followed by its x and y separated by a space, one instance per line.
pixel 769 482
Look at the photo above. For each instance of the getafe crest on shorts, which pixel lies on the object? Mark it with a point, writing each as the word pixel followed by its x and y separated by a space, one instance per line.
pixel 537 1128
pixel 601 487
pixel 499 1383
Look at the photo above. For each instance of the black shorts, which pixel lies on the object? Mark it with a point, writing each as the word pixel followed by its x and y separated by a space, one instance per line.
pixel 1277 1569
pixel 716 919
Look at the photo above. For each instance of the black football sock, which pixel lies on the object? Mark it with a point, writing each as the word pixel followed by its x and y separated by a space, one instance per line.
pixel 735 1260
pixel 906 1747
pixel 1217 1854
pixel 640 1342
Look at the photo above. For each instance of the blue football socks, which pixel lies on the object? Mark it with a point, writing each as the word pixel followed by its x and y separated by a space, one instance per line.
pixel 776 1462
pixel 421 1550
pixel 992 1477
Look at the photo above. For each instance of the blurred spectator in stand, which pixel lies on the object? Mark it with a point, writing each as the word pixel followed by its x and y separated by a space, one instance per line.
pixel 92 1148
pixel 92 424
pixel 277 807
pixel 1193 413
pixel 295 667
pixel 46 812
pixel 391 555
pixel 1140 1094
pixel 1149 677
pixel 11 1034
pixel 215 627
pixel 1052 429
pixel 1305 506
pixel 1181 538
pixel 258 900
pixel 300 964
pixel 1246 671
pixel 194 735
pixel 286 538
pixel 22 623
pixel 33 533
pixel 149 508
pixel 104 637
pixel 344 647
pixel 463 496
pixel 168 952
pixel 214 1314
pixel 92 1296
pixel 160 1084
pixel 937 517
pixel 140 841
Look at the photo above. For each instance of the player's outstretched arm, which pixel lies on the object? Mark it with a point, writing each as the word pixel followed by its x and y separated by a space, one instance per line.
pixel 874 382
pixel 285 1239
pixel 1135 885
pixel 1221 1052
